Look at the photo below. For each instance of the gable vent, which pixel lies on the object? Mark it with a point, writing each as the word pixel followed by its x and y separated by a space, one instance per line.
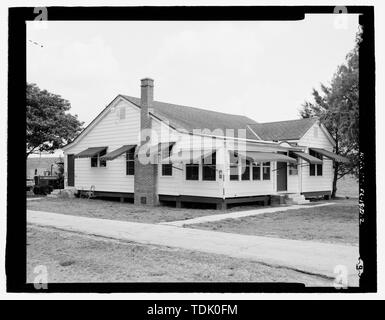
pixel 122 113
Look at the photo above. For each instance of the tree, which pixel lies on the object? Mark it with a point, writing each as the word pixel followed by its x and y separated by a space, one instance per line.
pixel 337 108
pixel 49 125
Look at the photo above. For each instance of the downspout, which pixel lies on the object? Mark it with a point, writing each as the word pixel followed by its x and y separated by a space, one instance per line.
pixel 300 175
pixel 224 170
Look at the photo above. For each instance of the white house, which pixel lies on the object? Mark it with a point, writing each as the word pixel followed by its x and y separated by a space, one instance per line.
pixel 153 152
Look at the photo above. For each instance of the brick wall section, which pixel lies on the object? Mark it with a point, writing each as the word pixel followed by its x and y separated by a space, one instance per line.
pixel 146 184
pixel 146 175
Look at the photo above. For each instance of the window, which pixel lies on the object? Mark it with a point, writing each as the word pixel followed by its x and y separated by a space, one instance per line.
pixel 312 169
pixel 293 167
pixel 130 162
pixel 312 166
pixel 94 161
pixel 209 167
pixel 315 169
pixel 166 167
pixel 245 170
pixel 192 171
pixel 102 163
pixel 234 174
pixel 256 171
pixel 266 170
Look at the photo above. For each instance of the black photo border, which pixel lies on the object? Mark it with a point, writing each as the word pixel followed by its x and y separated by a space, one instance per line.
pixel 16 208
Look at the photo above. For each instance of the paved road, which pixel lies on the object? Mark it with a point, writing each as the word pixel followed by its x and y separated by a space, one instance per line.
pixel 240 214
pixel 306 256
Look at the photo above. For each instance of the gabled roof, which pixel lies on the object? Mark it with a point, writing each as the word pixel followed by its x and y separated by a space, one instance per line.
pixel 283 130
pixel 189 118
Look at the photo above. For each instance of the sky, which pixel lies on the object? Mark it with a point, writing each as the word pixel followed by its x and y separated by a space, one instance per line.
pixel 264 70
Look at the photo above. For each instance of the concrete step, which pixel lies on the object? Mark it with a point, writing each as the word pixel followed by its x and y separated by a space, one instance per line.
pixel 299 196
pixel 303 201
pixel 295 195
pixel 296 199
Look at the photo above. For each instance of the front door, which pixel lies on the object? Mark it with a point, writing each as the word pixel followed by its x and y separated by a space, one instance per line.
pixel 281 176
pixel 71 170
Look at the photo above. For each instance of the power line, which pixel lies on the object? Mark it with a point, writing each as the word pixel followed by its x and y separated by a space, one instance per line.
pixel 36 43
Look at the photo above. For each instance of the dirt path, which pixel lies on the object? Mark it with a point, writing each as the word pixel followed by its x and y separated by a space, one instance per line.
pixel 306 256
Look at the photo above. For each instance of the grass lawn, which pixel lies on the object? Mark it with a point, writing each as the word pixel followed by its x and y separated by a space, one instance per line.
pixel 347 186
pixel 72 257
pixel 114 210
pixel 337 223
pixel 31 195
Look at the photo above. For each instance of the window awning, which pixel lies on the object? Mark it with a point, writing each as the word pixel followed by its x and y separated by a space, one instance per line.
pixel 189 155
pixel 257 156
pixel 158 148
pixel 307 157
pixel 90 152
pixel 331 155
pixel 118 152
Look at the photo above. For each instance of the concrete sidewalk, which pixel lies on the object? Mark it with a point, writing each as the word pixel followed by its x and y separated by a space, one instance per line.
pixel 306 256
pixel 240 214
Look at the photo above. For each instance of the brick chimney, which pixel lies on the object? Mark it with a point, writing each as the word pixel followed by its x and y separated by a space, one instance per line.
pixel 146 100
pixel 146 175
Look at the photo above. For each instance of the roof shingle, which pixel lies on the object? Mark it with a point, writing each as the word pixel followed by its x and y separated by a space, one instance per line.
pixel 190 118
pixel 283 130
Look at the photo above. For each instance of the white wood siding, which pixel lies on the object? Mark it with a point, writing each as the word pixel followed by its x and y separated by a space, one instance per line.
pixel 317 183
pixel 113 132
pixel 177 183
pixel 249 187
pixel 292 182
